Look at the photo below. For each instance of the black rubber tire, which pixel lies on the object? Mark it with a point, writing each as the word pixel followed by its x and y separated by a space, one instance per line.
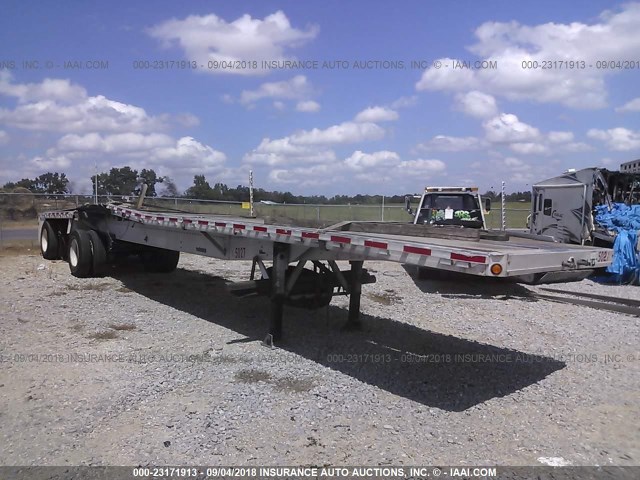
pixel 99 253
pixel 80 255
pixel 159 260
pixel 49 245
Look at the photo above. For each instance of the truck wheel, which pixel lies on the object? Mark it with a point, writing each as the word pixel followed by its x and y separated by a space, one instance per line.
pixel 49 242
pixel 99 253
pixel 80 256
pixel 160 260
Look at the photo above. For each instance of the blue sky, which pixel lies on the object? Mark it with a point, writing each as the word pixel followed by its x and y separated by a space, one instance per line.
pixel 351 125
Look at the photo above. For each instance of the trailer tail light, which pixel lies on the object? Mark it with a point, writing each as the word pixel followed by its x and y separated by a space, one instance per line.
pixel 496 269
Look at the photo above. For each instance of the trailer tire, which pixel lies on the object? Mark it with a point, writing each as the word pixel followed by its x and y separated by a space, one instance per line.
pixel 99 253
pixel 80 255
pixel 160 260
pixel 49 245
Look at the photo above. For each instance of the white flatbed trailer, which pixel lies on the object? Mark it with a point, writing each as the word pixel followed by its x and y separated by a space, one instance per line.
pixel 89 237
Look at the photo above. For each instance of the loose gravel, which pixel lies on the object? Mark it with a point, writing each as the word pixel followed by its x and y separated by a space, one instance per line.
pixel 137 369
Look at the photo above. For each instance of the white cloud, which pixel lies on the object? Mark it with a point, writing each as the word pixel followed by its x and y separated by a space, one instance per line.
pixel 445 143
pixel 513 163
pixel 189 154
pixel 506 128
pixel 421 167
pixel 308 106
pixel 360 161
pixel 303 177
pixel 278 105
pixel 312 146
pixel 4 137
pixel 187 120
pixel 49 89
pixel 575 147
pixel 180 158
pixel 205 38
pixel 529 148
pixel 296 88
pixel 477 104
pixel 376 114
pixel 445 78
pixel 50 163
pixel 630 106
pixel 116 143
pixel 306 158
pixel 560 137
pixel 404 102
pixel 619 139
pixel 68 108
pixel 283 151
pixel 614 36
pixel 346 132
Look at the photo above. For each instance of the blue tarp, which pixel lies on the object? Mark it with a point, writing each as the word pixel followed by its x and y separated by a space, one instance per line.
pixel 621 217
pixel 625 220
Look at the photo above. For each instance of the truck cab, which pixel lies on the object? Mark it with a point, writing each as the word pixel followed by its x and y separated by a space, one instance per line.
pixel 454 206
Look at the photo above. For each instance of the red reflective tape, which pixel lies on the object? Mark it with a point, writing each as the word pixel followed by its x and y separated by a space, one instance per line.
pixel 260 229
pixel 371 243
pixel 310 235
pixel 469 258
pixel 238 226
pixel 160 219
pixel 203 222
pixel 173 219
pixel 282 231
pixel 186 220
pixel 339 239
pixel 220 224
pixel 418 250
pixel 148 217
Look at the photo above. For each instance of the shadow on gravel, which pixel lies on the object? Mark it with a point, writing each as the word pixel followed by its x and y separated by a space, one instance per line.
pixel 458 285
pixel 436 370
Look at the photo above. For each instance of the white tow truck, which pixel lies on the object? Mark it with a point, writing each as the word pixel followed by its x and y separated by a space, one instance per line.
pixel 453 206
pixel 93 236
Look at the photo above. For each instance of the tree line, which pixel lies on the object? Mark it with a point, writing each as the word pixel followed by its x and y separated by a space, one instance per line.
pixel 126 181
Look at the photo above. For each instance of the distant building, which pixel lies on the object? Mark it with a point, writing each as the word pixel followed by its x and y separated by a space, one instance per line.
pixel 630 167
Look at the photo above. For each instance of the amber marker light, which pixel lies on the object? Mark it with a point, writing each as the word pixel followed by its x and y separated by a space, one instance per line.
pixel 496 269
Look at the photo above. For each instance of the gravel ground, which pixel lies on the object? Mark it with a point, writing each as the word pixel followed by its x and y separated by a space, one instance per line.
pixel 169 369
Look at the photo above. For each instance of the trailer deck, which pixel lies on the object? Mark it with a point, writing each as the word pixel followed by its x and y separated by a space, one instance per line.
pixel 113 229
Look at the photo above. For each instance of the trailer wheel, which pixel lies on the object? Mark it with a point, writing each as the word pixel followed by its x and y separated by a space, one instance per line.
pixel 49 246
pixel 160 260
pixel 99 253
pixel 80 256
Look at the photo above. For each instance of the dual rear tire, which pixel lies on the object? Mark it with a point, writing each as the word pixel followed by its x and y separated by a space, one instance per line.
pixel 49 242
pixel 88 256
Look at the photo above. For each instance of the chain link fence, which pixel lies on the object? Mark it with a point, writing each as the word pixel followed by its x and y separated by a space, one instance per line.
pixel 19 211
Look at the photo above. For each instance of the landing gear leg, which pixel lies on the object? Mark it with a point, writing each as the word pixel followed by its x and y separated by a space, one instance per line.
pixel 280 263
pixel 355 292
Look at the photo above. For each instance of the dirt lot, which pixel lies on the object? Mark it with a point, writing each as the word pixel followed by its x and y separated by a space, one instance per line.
pixel 169 369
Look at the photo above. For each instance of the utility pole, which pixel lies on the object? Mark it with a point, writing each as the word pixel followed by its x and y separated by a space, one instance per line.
pixel 502 209
pixel 251 193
